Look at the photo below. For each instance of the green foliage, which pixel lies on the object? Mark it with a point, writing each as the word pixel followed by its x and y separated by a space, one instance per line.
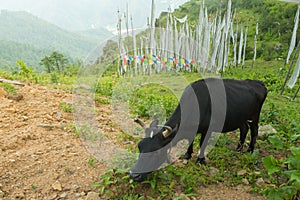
pixel 56 62
pixel 276 141
pixel 10 89
pixel 182 180
pixel 275 18
pixel 91 161
pixel 271 164
pixel 25 72
pixel 104 86
pixel 291 188
pixel 148 100
pixel 276 159
pixel 145 101
pixel 12 50
pixel 66 107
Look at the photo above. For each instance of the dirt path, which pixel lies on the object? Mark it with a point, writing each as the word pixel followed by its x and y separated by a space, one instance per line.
pixel 38 161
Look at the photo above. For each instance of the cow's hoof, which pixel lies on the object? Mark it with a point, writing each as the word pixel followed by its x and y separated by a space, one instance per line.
pixel 201 161
pixel 250 150
pixel 239 147
pixel 187 156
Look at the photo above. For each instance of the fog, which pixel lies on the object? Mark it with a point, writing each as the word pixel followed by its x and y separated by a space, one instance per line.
pixel 85 14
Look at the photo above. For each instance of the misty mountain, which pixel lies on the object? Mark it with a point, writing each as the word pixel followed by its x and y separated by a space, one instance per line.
pixel 86 14
pixel 24 36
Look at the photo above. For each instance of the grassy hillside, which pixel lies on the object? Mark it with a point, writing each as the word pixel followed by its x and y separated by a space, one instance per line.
pixel 275 18
pixel 28 37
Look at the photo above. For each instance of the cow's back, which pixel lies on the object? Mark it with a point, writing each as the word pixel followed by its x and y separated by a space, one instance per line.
pixel 244 99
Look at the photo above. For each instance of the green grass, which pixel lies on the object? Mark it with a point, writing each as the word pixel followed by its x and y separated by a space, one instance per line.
pixel 276 158
pixel 279 111
pixel 66 107
pixel 10 89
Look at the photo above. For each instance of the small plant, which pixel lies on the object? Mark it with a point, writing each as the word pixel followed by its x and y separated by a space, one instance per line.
pixel 84 131
pixel 66 107
pixel 91 161
pixel 10 89
pixel 104 87
pixel 33 187
pixel 24 71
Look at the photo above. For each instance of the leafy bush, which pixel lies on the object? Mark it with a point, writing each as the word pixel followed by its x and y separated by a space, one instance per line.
pixel 151 99
pixel 104 86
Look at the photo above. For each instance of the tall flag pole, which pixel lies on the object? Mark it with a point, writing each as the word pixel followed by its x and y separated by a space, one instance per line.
pixel 227 35
pixel 134 49
pixel 127 18
pixel 206 42
pixel 170 36
pixel 241 46
pixel 221 53
pixel 199 34
pixel 176 40
pixel 152 32
pixel 162 45
pixel 296 93
pixel 235 52
pixel 255 43
pixel 121 66
pixel 217 41
pixel 245 45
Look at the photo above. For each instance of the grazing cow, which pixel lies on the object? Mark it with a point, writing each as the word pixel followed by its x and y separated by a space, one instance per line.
pixel 206 106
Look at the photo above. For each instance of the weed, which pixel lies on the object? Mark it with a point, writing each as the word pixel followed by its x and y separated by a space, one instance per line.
pixel 66 107
pixel 91 161
pixel 10 89
pixel 33 187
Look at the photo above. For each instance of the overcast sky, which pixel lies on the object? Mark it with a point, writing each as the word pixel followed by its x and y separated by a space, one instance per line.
pixel 83 14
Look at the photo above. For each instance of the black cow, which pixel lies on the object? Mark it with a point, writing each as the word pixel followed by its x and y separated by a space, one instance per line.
pixel 206 106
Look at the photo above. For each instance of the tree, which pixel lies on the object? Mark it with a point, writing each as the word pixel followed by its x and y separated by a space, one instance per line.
pixel 59 60
pixel 56 62
pixel 47 62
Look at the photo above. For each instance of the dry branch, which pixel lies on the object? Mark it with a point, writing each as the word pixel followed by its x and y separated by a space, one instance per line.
pixel 11 82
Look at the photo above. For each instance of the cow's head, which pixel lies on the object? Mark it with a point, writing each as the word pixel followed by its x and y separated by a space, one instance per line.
pixel 152 150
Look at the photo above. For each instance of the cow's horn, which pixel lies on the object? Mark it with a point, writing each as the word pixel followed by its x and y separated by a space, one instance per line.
pixel 167 132
pixel 140 122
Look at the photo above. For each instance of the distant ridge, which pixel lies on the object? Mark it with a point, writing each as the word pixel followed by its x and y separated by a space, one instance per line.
pixel 25 36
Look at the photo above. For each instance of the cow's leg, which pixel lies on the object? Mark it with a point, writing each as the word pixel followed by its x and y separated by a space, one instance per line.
pixel 189 152
pixel 243 133
pixel 203 143
pixel 254 132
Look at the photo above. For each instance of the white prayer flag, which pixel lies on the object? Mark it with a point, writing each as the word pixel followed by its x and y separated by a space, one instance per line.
pixel 295 74
pixel 293 41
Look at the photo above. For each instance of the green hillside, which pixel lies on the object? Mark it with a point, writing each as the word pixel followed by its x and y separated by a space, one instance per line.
pixel 30 38
pixel 275 18
pixel 11 51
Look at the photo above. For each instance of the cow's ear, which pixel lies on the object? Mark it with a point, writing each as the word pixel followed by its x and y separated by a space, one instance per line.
pixel 154 123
